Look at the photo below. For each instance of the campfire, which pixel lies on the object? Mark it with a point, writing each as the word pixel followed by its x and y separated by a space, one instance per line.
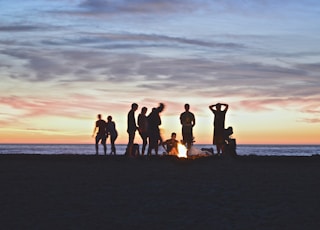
pixel 182 151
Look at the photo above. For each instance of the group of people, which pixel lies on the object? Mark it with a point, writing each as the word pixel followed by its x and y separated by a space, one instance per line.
pixel 149 131
pixel 102 130
pixel 148 128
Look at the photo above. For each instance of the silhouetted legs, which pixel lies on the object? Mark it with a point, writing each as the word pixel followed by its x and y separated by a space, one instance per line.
pixel 113 147
pixel 187 136
pixel 130 143
pixel 144 138
pixel 103 142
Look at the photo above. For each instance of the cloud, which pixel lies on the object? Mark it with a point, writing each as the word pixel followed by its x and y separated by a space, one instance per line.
pixel 314 67
pixel 169 41
pixel 140 6
pixel 310 120
pixel 19 28
pixel 313 111
pixel 199 74
pixel 40 65
pixel 126 40
pixel 162 8
pixel 33 106
pixel 258 105
pixel 306 106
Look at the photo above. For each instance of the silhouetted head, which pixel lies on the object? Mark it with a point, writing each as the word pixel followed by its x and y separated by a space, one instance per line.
pixel 134 106
pixel 173 135
pixel 187 107
pixel 144 110
pixel 109 118
pixel 99 116
pixel 219 106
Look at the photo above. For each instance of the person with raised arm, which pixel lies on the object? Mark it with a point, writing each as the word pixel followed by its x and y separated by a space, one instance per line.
pixel 219 125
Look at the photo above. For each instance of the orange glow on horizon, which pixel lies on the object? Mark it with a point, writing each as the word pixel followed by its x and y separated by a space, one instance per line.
pixel 78 131
pixel 87 139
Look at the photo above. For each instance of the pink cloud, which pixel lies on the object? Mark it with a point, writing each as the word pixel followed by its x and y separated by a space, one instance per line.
pixel 73 106
pixel 311 120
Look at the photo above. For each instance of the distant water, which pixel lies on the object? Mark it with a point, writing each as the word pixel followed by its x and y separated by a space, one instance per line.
pixel 89 149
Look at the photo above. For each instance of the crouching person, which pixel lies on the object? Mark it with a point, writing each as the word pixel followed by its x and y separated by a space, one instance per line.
pixel 230 143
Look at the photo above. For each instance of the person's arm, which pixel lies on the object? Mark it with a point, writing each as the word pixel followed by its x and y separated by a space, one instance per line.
pixel 164 146
pixel 212 106
pixel 139 120
pixel 226 107
pixel 94 130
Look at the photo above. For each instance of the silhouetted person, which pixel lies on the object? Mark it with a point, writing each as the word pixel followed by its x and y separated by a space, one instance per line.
pixel 187 121
pixel 230 143
pixel 143 128
pixel 101 135
pixel 154 121
pixel 131 128
pixel 219 130
pixel 111 130
pixel 171 145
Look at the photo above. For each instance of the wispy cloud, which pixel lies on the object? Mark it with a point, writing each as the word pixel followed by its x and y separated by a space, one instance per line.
pixel 20 28
pixel 310 120
pixel 235 77
pixel 141 6
pixel 156 40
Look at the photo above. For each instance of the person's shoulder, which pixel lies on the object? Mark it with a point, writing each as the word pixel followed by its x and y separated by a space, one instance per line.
pixel 190 113
pixel 100 122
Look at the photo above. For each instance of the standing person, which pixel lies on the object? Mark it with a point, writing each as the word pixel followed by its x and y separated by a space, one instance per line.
pixel 154 121
pixel 111 130
pixel 143 128
pixel 132 127
pixel 187 121
pixel 219 120
pixel 101 135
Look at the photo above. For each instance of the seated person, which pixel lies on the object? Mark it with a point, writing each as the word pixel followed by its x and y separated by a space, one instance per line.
pixel 171 145
pixel 230 143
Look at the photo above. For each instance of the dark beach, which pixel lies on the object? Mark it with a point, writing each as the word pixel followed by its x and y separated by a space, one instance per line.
pixel 98 192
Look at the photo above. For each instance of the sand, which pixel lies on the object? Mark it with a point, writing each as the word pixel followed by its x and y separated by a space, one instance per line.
pixel 97 192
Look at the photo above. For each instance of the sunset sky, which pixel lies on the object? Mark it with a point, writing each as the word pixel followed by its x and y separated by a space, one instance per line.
pixel 64 61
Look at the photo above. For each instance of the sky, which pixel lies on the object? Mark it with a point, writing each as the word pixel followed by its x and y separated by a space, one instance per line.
pixel 62 62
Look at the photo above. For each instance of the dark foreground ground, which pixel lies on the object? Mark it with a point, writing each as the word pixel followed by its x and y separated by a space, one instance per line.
pixel 90 192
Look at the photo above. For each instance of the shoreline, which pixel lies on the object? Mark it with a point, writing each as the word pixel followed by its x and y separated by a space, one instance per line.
pixel 88 149
pixel 160 156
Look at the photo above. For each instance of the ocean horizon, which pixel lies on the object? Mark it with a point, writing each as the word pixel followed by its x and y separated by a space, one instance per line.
pixel 89 149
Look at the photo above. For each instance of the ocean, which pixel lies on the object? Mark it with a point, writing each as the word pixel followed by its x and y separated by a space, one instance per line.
pixel 89 149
